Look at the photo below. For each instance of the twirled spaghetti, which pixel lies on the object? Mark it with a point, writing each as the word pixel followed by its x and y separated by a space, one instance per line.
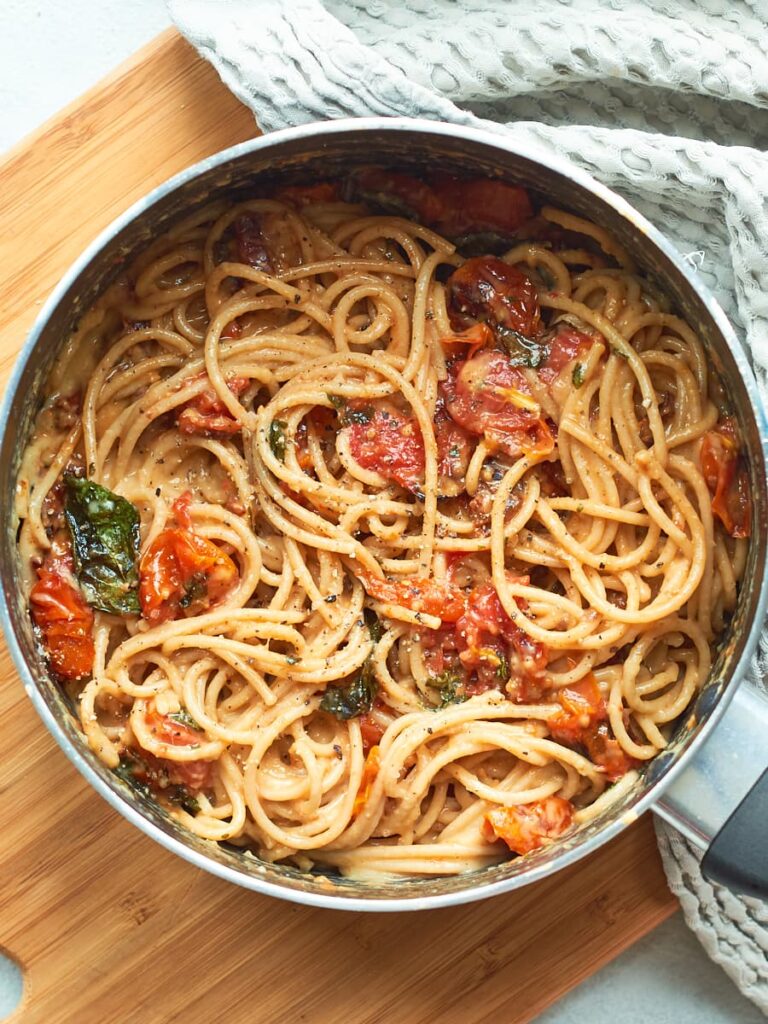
pixel 362 553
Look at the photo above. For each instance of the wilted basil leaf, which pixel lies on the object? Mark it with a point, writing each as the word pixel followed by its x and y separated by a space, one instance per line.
pixel 105 540
pixel 126 771
pixel 522 350
pixel 374 625
pixel 276 438
pixel 183 717
pixel 450 687
pixel 356 699
pixel 482 243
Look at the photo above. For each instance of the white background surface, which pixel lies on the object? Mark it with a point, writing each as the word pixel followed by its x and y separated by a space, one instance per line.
pixel 50 52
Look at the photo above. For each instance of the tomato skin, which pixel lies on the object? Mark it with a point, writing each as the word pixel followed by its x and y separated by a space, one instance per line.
pixel 582 721
pixel 370 731
pixel 488 290
pixel 566 344
pixel 434 597
pixel 477 337
pixel 370 771
pixel 477 632
pixel 528 827
pixel 233 329
pixel 480 204
pixel 159 772
pixel 63 617
pixel 206 414
pixel 182 572
pixel 454 445
pixel 452 206
pixel 390 444
pixel 604 749
pixel 251 245
pixel 726 476
pixel 477 397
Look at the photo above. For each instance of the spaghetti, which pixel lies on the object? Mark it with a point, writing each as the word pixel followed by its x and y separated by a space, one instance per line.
pixel 361 552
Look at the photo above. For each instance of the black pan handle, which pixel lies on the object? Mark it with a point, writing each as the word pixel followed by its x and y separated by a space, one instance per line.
pixel 720 800
pixel 738 855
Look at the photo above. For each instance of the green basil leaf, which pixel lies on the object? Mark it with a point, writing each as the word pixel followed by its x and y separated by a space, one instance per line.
pixel 357 414
pixel 346 702
pixel 578 375
pixel 105 541
pixel 190 804
pixel 125 771
pixel 450 687
pixel 503 670
pixel 483 243
pixel 183 717
pixel 522 350
pixel 276 438
pixel 374 625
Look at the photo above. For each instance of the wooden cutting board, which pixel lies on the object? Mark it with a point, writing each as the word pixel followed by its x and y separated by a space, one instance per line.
pixel 109 927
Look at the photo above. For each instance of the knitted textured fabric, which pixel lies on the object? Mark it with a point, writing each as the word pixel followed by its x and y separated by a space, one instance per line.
pixel 666 101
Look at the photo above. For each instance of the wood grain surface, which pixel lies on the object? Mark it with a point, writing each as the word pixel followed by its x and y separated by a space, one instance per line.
pixel 110 928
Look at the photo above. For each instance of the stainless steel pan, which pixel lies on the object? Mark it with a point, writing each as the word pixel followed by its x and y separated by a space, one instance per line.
pixel 718 753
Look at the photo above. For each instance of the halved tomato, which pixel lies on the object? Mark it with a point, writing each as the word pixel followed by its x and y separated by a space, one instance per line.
pixel 182 572
pixel 440 598
pixel 64 619
pixel 391 444
pixel 206 414
pixel 487 290
pixel 491 398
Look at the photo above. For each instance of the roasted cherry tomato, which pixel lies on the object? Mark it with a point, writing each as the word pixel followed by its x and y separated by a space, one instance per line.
pixel 206 414
pixel 466 343
pixel 477 205
pixel 725 472
pixel 491 398
pixel 454 448
pixel 398 193
pixel 251 244
pixel 581 708
pixel 193 775
pixel 565 344
pixel 582 721
pixel 440 651
pixel 440 598
pixel 182 573
pixel 488 290
pixel 64 619
pixel 604 749
pixel 323 420
pixel 370 731
pixel 528 827
pixel 160 773
pixel 453 206
pixel 391 444
pixel 370 771
pixel 478 631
